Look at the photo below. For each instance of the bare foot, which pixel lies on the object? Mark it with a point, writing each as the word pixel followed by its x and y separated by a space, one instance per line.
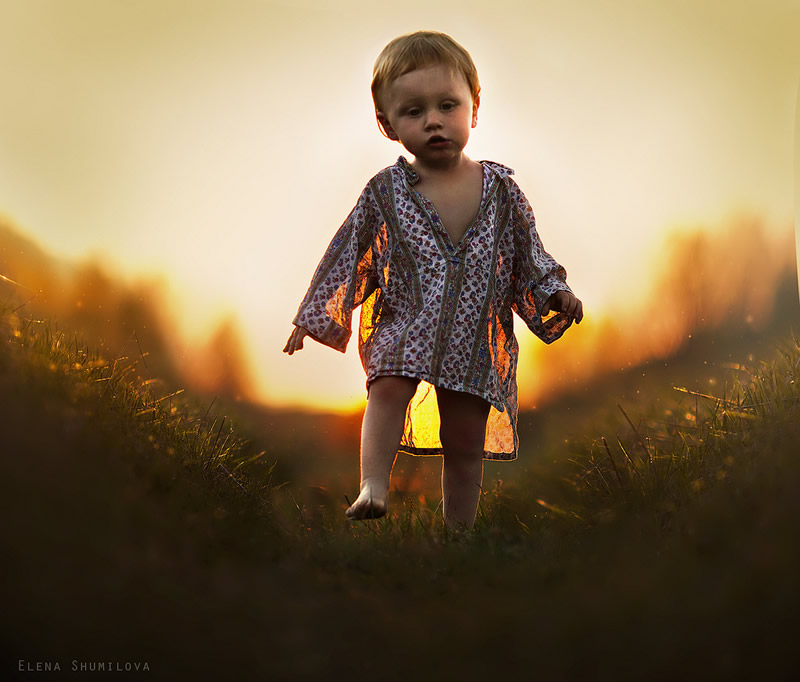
pixel 370 504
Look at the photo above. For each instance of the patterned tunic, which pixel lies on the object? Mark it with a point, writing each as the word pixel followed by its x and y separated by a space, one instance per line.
pixel 433 310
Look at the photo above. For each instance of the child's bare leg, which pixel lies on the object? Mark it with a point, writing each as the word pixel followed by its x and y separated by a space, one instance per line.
pixel 381 431
pixel 463 433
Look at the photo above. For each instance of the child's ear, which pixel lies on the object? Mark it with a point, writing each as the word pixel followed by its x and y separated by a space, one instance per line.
pixel 385 126
pixel 475 104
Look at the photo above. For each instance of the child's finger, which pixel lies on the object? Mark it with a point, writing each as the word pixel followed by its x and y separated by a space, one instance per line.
pixel 292 345
pixel 295 341
pixel 572 307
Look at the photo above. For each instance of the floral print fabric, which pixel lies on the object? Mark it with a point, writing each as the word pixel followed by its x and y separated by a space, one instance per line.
pixel 434 310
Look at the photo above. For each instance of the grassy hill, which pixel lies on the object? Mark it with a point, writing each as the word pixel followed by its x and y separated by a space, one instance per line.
pixel 139 526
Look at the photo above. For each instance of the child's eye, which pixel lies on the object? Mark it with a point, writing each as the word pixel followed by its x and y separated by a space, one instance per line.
pixel 447 106
pixel 414 111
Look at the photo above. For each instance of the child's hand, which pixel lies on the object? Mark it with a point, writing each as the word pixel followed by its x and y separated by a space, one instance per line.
pixel 295 341
pixel 564 302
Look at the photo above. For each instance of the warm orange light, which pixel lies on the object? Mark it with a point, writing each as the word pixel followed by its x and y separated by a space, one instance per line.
pixel 701 280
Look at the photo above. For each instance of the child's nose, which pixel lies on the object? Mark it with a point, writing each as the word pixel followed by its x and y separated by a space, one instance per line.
pixel 433 120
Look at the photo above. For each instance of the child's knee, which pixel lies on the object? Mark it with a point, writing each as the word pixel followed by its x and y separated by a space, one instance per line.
pixel 463 462
pixel 393 390
pixel 463 435
pixel 463 422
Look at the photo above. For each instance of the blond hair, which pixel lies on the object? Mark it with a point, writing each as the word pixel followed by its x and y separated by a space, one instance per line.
pixel 418 50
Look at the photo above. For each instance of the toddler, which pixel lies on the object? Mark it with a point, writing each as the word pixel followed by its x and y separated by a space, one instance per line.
pixel 438 252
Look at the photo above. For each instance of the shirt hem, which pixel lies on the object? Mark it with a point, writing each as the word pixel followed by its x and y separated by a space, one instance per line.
pixel 429 452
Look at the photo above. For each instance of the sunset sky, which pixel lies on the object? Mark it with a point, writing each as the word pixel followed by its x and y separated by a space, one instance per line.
pixel 220 144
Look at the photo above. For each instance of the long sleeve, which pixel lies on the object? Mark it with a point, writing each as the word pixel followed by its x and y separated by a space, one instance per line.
pixel 343 279
pixel 537 275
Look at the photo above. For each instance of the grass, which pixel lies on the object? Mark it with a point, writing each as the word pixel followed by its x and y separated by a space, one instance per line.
pixel 142 526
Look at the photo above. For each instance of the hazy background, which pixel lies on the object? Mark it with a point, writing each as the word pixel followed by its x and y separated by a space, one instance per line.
pixel 201 154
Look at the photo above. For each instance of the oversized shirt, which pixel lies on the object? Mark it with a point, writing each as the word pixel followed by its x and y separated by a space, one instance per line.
pixel 434 310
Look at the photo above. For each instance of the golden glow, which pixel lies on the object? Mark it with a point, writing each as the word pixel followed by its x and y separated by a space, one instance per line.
pixel 219 145
pixel 700 280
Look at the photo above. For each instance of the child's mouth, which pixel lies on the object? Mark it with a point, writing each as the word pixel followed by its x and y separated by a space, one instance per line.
pixel 437 141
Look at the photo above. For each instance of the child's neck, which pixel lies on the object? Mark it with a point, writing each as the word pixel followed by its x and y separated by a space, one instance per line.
pixel 455 192
pixel 444 171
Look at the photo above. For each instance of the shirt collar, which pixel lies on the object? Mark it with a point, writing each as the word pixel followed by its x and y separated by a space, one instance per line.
pixel 413 177
pixel 499 168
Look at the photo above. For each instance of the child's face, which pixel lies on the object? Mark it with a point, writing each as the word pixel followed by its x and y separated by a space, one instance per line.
pixel 430 111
